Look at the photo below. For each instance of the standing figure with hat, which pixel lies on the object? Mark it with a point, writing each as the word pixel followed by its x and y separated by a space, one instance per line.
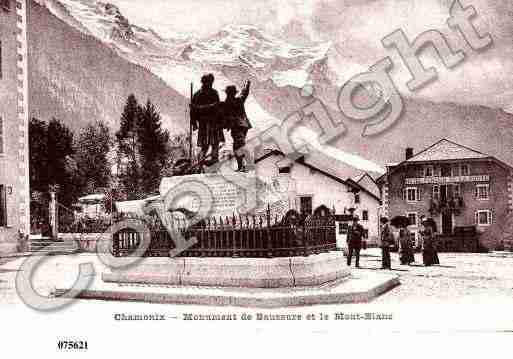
pixel 354 241
pixel 387 240
pixel 427 232
pixel 205 118
pixel 237 121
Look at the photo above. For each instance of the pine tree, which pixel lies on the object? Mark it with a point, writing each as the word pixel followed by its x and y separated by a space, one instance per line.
pixel 153 147
pixel 60 168
pixel 127 157
pixel 38 154
pixel 92 157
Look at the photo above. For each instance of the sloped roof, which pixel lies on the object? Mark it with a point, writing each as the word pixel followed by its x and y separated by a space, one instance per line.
pixel 445 150
pixel 326 165
pixel 358 177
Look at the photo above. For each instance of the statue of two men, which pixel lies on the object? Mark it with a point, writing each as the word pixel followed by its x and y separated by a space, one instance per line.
pixel 210 116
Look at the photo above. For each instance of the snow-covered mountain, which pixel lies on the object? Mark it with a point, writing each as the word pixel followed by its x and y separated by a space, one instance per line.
pixel 262 55
pixel 129 58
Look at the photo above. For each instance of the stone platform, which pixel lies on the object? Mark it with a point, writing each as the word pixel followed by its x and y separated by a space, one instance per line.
pixel 359 288
pixel 249 282
pixel 234 272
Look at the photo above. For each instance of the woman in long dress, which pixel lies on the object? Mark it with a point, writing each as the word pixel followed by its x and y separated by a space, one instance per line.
pixel 406 255
pixel 429 254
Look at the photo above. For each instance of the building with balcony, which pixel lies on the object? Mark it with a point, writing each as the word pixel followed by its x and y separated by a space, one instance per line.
pixel 459 187
pixel 14 171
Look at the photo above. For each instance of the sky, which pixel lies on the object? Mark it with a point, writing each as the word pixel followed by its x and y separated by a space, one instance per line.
pixel 356 28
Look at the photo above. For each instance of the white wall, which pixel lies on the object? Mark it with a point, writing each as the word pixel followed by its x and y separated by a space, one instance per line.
pixel 324 190
pixel 367 183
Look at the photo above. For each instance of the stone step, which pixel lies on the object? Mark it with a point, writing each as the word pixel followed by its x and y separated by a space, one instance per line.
pixel 60 252
pixel 53 249
pixel 53 246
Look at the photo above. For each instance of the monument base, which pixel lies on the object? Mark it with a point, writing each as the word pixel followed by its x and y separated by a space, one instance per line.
pixel 248 282
pixel 235 272
pixel 361 287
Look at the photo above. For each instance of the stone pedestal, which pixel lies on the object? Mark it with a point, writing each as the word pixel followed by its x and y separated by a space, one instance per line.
pixel 283 272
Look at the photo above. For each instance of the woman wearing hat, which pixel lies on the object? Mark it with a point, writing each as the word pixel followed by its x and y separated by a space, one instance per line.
pixel 429 254
pixel 406 254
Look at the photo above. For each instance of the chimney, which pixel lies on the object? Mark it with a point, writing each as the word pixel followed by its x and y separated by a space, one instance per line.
pixel 408 153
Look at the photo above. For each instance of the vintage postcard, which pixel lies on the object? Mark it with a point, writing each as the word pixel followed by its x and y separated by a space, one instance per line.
pixel 246 176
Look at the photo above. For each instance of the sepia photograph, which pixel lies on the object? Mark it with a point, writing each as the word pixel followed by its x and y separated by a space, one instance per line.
pixel 297 176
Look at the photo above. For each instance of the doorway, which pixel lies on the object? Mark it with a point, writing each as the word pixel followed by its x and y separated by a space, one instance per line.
pixel 446 222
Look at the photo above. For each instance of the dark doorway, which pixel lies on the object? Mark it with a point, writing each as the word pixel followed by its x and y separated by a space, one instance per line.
pixel 446 222
pixel 443 193
pixel 305 205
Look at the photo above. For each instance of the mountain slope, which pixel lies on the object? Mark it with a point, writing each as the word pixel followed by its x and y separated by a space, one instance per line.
pixel 77 78
pixel 99 73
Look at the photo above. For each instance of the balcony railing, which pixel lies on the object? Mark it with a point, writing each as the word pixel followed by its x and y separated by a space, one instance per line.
pixel 453 205
pixel 447 179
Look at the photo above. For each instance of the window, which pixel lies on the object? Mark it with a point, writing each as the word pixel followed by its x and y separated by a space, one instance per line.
pixel 482 191
pixel 412 194
pixel 342 228
pixel 1 136
pixel 412 216
pixel 365 215
pixel 284 169
pixel 484 217
pixel 445 171
pixel 305 205
pixel 436 192
pixel 456 191
pixel 3 206
pixel 5 4
pixel 428 171
pixel 455 171
pixel 356 198
pixel 465 170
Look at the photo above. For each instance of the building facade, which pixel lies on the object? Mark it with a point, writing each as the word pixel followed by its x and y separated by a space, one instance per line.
pixel 14 175
pixel 314 185
pixel 453 184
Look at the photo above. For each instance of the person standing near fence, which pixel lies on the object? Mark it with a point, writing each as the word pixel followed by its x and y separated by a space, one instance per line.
pixel 354 241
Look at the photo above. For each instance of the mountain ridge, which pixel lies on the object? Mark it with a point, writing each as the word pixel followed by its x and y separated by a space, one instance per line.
pixel 423 121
